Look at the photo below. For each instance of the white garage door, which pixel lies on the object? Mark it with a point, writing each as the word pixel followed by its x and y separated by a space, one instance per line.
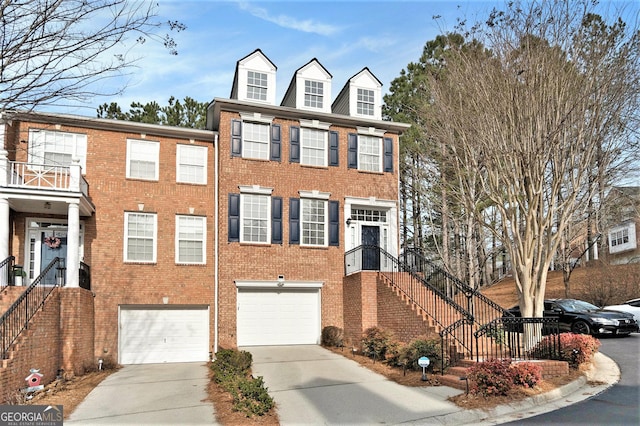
pixel 278 317
pixel 157 334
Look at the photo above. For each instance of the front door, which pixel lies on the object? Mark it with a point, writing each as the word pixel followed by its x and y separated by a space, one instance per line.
pixel 371 250
pixel 53 244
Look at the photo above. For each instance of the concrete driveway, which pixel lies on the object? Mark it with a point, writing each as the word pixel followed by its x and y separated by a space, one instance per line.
pixel 312 385
pixel 149 394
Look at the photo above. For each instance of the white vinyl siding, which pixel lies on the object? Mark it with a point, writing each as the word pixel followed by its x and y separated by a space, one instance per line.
pixel 314 222
pixel 254 218
pixel 140 231
pixel 370 153
pixel 255 143
pixel 191 239
pixel 55 148
pixel 191 164
pixel 313 147
pixel 143 159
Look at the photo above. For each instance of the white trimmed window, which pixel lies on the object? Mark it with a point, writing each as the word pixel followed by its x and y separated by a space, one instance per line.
pixel 191 164
pixel 141 232
pixel 314 222
pixel 255 212
pixel 255 140
pixel 256 85
pixel 365 102
pixel 54 148
pixel 143 159
pixel 313 94
pixel 370 153
pixel 191 239
pixel 623 238
pixel 313 147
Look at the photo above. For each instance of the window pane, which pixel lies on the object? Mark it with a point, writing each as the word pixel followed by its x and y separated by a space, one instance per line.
pixel 255 141
pixel 313 222
pixel 369 157
pixel 191 239
pixel 192 163
pixel 141 233
pixel 313 147
pixel 313 93
pixel 143 159
pixel 365 102
pixel 257 85
pixel 255 218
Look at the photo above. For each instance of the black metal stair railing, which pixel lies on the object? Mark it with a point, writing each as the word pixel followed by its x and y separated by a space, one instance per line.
pixel 454 306
pixel 453 321
pixel 16 319
pixel 6 272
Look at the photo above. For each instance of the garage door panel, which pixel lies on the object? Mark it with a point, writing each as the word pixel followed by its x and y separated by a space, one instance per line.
pixel 161 334
pixel 278 317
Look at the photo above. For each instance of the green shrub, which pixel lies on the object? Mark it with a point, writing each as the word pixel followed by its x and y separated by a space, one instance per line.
pixel 252 397
pixel 377 343
pixel 576 349
pixel 231 371
pixel 408 355
pixel 491 378
pixel 239 361
pixel 332 336
pixel 526 374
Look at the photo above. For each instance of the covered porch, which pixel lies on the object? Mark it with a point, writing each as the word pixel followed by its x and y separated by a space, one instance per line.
pixel 50 201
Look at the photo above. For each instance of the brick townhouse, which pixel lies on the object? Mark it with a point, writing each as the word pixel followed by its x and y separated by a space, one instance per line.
pixel 198 239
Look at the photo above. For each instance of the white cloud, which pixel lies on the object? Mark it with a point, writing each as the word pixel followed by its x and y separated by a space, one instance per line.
pixel 307 25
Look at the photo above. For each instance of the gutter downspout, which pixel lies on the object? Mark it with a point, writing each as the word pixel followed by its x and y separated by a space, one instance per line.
pixel 216 245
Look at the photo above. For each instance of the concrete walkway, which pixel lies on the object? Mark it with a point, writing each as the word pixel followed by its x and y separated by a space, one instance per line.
pixel 152 394
pixel 313 386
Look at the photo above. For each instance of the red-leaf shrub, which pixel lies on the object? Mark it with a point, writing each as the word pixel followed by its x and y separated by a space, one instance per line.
pixel 576 349
pixel 491 377
pixel 526 374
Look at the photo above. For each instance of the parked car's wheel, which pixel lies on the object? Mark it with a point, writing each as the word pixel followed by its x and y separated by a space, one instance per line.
pixel 581 327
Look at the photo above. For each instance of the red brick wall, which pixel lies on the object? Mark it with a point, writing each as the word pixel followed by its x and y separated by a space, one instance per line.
pixel 77 330
pixel 60 335
pixel 113 281
pixel 265 262
pixel 396 315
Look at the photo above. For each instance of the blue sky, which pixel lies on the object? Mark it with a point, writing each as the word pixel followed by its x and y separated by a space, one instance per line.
pixel 345 36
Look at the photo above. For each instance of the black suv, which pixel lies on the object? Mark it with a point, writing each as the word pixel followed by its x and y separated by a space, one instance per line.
pixel 582 317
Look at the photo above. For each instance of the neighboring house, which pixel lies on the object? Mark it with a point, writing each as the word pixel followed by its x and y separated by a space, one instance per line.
pixel 622 222
pixel 199 239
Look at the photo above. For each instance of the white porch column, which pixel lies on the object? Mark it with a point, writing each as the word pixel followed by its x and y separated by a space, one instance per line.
pixel 4 228
pixel 73 246
pixel 4 166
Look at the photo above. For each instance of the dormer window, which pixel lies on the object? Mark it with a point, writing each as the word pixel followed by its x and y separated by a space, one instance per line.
pixel 313 94
pixel 256 85
pixel 365 102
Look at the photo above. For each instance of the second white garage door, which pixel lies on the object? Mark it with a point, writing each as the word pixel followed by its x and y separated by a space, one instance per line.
pixel 157 334
pixel 278 317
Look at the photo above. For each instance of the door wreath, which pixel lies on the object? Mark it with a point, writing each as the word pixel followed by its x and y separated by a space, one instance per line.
pixel 52 242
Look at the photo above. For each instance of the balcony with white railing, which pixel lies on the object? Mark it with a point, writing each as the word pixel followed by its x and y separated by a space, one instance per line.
pixel 42 176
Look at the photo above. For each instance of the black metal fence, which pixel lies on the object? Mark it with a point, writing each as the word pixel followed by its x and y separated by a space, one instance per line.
pixel 16 319
pixel 519 338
